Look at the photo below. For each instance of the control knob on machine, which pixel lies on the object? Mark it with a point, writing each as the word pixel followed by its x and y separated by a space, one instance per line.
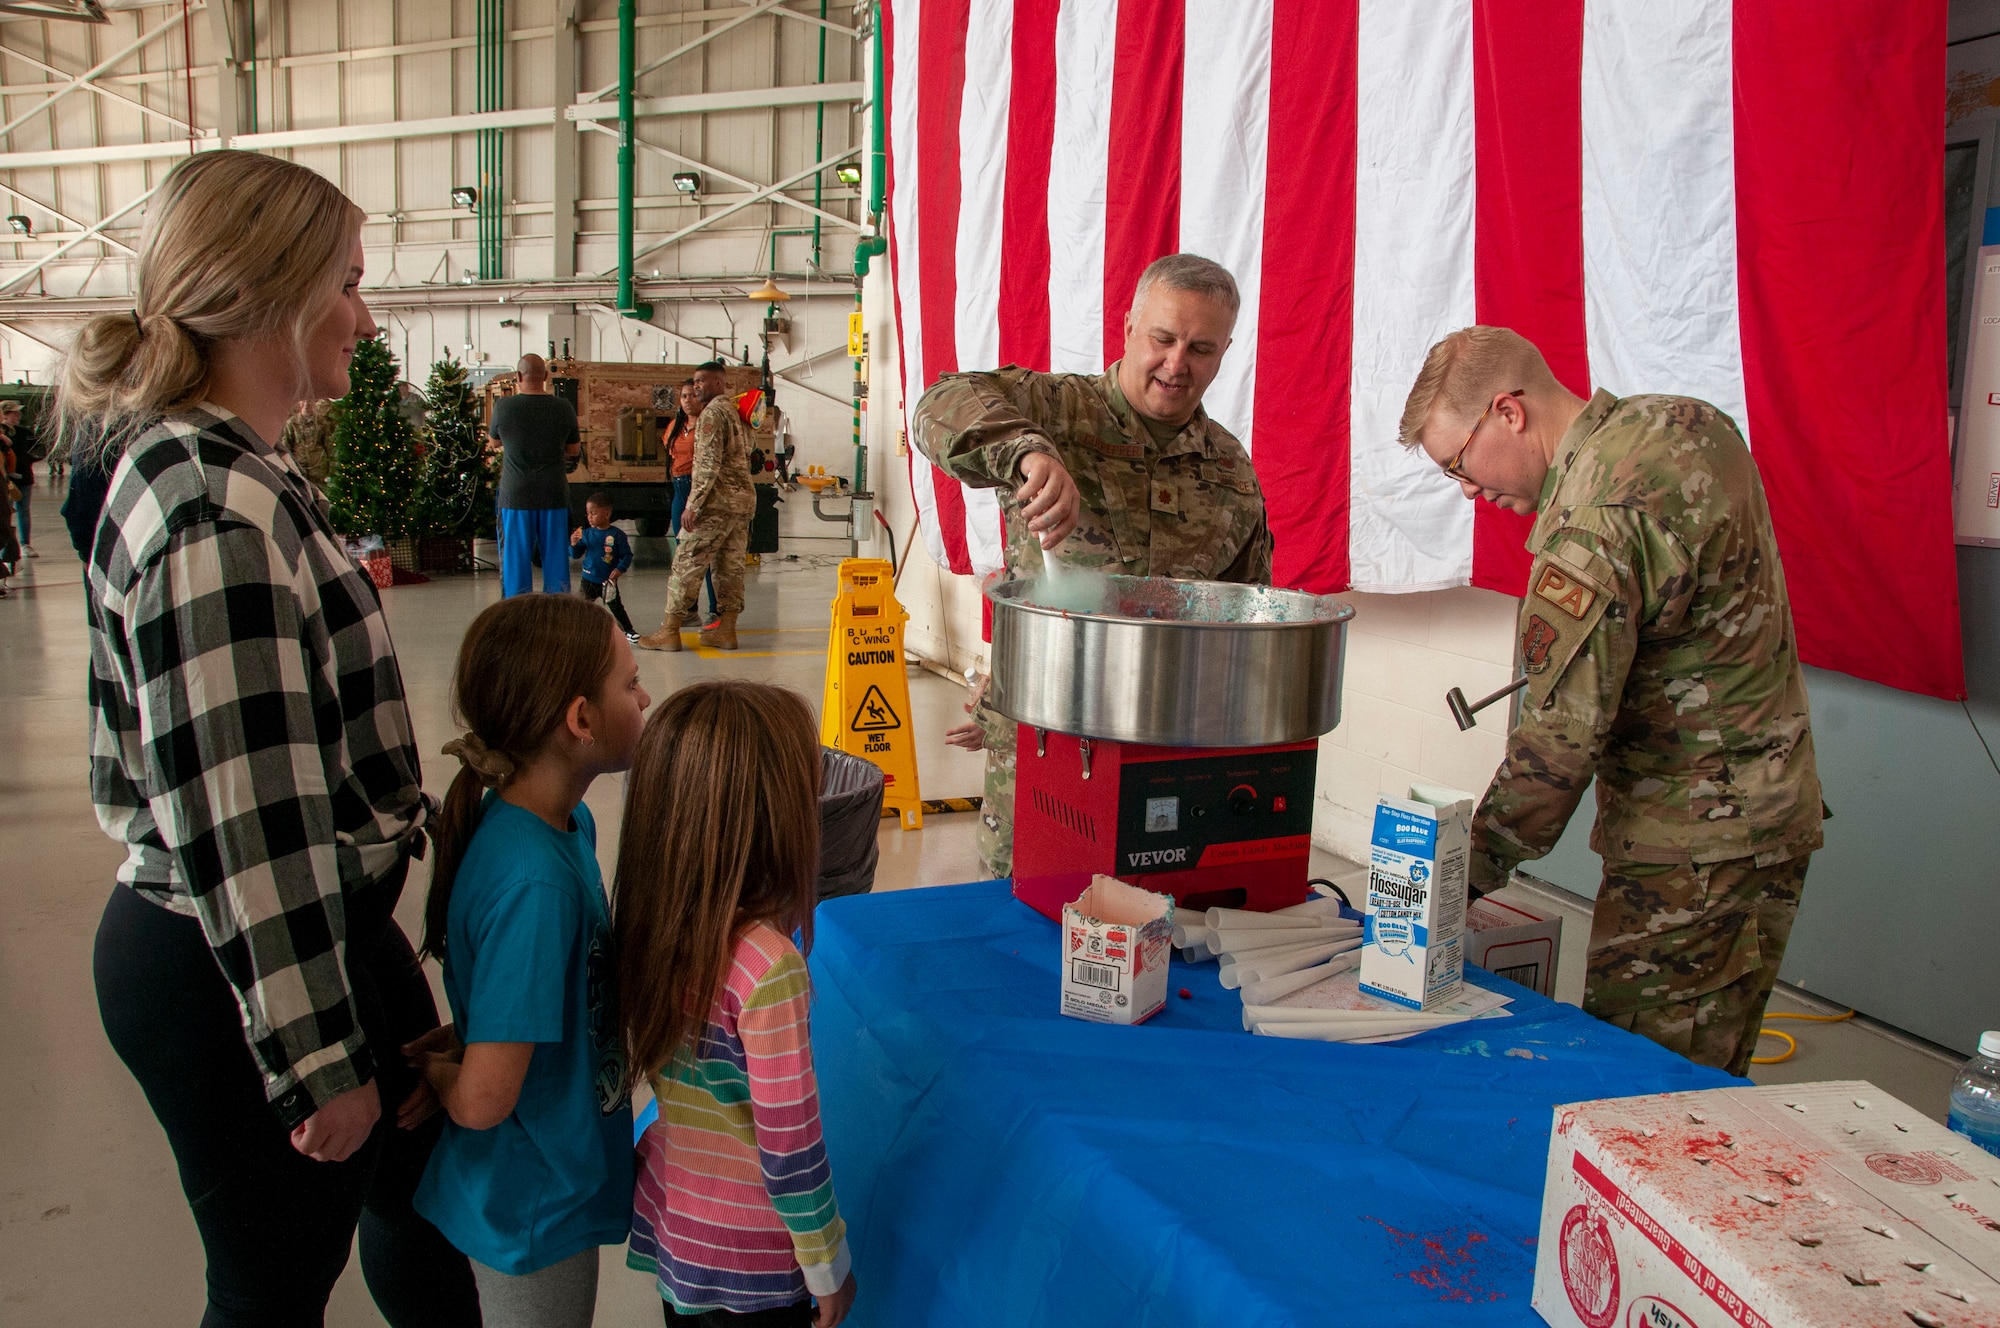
pixel 1242 799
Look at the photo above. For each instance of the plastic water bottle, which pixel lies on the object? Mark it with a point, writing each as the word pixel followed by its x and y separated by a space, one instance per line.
pixel 1975 1096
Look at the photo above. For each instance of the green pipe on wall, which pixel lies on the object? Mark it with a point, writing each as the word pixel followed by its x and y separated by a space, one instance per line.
pixel 628 303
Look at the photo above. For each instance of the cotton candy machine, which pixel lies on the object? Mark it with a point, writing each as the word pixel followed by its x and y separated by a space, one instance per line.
pixel 1168 735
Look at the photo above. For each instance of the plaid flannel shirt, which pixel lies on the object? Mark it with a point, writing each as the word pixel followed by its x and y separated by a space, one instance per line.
pixel 250 744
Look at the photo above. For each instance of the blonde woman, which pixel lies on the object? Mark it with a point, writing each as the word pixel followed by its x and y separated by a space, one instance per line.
pixel 251 749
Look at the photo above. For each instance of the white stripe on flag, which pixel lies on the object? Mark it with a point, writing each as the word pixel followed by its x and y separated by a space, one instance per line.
pixel 1659 201
pixel 982 173
pixel 982 530
pixel 1411 528
pixel 903 206
pixel 908 273
pixel 924 492
pixel 982 162
pixel 1086 45
pixel 1225 117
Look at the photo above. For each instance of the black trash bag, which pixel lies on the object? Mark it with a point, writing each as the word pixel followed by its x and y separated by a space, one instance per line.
pixel 850 813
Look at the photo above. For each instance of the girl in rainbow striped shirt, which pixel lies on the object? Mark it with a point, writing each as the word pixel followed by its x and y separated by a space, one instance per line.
pixel 717 868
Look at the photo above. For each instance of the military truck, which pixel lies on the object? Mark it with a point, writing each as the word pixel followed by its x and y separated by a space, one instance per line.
pixel 623 412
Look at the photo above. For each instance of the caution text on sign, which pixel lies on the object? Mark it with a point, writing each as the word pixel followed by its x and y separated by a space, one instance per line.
pixel 867 702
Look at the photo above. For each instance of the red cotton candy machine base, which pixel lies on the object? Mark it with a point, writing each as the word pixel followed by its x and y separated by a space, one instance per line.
pixel 1213 827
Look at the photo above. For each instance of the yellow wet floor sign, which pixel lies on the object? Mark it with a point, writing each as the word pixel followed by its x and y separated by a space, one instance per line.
pixel 867 705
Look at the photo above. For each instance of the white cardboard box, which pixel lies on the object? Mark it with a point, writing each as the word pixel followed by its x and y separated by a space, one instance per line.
pixel 1791 1206
pixel 1412 950
pixel 1514 942
pixel 1116 943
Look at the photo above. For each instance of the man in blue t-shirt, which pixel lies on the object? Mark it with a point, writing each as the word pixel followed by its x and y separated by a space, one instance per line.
pixel 606 555
pixel 538 441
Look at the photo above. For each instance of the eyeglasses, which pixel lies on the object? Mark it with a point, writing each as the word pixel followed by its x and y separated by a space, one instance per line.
pixel 1452 467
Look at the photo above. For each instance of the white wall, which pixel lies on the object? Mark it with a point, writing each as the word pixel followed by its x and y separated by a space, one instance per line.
pixel 1404 652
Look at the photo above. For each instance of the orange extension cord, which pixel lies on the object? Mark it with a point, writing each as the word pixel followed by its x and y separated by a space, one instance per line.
pixel 1792 1043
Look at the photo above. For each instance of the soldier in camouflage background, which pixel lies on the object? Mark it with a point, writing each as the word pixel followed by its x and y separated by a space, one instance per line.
pixel 715 525
pixel 1121 472
pixel 1657 639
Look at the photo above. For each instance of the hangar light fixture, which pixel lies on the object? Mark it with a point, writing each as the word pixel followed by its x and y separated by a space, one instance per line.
pixel 465 196
pixel 848 173
pixel 22 225
pixel 687 182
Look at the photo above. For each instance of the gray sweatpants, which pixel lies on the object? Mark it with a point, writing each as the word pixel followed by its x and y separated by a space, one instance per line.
pixel 563 1295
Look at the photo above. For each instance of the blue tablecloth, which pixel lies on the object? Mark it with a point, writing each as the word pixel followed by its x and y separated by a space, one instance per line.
pixel 1000 1164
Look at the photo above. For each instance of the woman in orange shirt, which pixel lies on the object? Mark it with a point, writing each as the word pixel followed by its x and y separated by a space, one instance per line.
pixel 680 450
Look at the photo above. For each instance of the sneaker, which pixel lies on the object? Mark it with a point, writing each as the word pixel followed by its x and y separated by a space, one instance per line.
pixel 633 637
pixel 28 551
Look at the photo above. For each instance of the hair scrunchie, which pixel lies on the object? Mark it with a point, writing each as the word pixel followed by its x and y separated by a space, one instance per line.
pixel 493 768
pixel 139 326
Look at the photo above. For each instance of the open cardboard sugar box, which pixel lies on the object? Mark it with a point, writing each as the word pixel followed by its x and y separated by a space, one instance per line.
pixel 1826 1205
pixel 1116 942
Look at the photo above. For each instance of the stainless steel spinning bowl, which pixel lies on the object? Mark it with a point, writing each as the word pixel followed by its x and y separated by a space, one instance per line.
pixel 1171 663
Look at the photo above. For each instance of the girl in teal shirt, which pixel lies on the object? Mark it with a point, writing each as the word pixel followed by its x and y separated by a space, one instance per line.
pixel 535 1168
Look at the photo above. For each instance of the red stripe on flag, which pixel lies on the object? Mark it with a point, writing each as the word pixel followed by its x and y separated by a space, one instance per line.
pixel 1841 296
pixel 1527 79
pixel 940 91
pixel 1142 197
pixel 1031 133
pixel 1305 324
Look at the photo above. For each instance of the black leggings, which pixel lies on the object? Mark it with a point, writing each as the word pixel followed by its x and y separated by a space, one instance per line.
pixel 594 591
pixel 276 1225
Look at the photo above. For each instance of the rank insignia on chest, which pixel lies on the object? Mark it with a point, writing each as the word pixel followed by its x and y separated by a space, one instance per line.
pixel 1535 643
pixel 1565 592
pixel 1166 498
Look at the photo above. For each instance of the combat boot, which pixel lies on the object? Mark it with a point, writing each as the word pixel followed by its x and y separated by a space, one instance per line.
pixel 722 636
pixel 669 635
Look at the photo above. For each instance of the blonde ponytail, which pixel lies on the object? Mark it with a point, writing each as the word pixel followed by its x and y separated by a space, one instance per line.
pixel 236 245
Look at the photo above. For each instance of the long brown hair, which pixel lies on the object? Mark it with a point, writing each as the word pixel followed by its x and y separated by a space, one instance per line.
pixel 236 244
pixel 520 665
pixel 721 831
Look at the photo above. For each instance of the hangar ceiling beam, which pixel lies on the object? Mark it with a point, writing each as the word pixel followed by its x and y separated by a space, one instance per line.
pixel 683 159
pixel 17 278
pixel 766 194
pixel 87 81
pixel 774 8
pixel 32 201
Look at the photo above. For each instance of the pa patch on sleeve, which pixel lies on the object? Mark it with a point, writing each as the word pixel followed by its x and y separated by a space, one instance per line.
pixel 1567 595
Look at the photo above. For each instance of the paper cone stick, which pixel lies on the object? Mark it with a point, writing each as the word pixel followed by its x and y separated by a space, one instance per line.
pixel 1265 990
pixel 1277 963
pixel 1261 969
pixel 1246 942
pixel 1313 909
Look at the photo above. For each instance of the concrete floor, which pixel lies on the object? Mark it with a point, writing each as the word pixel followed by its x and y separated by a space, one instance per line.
pixel 93 1228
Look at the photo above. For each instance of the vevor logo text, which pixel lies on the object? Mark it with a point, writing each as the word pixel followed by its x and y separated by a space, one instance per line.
pixel 1156 857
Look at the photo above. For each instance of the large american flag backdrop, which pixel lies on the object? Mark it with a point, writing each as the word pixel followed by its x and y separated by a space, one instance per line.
pixel 1740 202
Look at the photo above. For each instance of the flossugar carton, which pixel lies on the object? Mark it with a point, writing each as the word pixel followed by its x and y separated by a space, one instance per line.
pixel 1412 949
pixel 1116 941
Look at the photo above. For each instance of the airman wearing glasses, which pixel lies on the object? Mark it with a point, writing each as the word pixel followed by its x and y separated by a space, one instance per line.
pixel 1657 639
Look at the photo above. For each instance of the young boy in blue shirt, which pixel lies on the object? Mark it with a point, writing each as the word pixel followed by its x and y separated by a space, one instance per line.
pixel 606 553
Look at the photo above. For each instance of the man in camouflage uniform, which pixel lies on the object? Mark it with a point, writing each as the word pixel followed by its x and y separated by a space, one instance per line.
pixel 715 525
pixel 1121 472
pixel 1657 640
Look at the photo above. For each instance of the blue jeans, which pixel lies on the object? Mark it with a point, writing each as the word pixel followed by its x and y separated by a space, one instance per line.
pixel 682 485
pixel 527 534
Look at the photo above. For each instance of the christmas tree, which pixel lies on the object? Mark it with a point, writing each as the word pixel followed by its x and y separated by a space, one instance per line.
pixel 377 454
pixel 458 477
